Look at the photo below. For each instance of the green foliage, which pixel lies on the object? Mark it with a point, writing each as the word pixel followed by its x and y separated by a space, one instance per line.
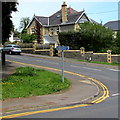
pixel 29 81
pixel 16 33
pixel 23 23
pixel 7 25
pixel 115 46
pixel 94 37
pixel 27 38
pixel 70 38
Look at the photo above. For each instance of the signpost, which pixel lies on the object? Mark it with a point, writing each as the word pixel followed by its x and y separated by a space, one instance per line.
pixel 62 48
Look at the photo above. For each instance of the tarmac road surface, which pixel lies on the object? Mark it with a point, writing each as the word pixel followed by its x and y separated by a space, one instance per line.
pixel 108 75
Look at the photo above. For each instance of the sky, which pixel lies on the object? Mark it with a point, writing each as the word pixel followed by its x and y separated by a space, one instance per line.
pixel 98 10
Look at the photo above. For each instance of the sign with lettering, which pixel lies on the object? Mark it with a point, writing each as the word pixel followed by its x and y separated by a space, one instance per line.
pixel 62 48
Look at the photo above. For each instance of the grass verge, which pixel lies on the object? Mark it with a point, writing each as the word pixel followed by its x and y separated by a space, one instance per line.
pixel 28 81
pixel 104 63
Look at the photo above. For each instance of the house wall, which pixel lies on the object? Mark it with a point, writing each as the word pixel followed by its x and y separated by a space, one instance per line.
pixel 66 28
pixel 29 30
pixel 11 37
pixel 76 27
pixel 45 31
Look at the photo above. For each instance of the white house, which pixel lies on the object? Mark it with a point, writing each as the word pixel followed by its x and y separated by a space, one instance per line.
pixel 13 39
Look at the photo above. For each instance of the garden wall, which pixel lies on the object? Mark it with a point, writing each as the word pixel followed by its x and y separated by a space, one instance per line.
pixel 90 56
pixel 46 49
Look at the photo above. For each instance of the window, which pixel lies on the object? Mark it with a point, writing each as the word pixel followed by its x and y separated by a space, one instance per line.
pixel 8 46
pixel 51 31
pixel 32 30
pixel 82 20
pixel 58 30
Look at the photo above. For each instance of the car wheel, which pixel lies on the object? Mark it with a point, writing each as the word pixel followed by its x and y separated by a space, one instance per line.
pixel 10 52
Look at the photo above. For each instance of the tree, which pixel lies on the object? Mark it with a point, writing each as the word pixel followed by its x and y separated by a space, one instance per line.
pixel 115 47
pixel 23 23
pixel 94 37
pixel 71 39
pixel 27 38
pixel 7 25
pixel 16 33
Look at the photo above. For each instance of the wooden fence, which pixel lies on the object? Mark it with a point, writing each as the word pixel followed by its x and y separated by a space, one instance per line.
pixel 46 49
pixel 91 56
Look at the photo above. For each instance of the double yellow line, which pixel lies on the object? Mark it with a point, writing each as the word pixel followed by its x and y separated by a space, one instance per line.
pixel 98 100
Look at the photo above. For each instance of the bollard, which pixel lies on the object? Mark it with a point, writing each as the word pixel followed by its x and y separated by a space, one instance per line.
pixel 51 49
pixel 82 50
pixel 34 46
pixel 109 58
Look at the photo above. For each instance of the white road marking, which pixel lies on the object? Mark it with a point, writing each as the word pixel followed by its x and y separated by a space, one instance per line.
pixel 86 68
pixel 47 62
pixel 92 69
pixel 114 70
pixel 115 94
pixel 75 66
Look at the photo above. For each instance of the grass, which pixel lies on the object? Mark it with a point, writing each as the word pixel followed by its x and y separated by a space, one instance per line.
pixel 28 81
pixel 105 63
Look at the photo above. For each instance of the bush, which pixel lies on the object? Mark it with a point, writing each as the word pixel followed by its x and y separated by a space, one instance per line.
pixel 27 38
pixel 94 37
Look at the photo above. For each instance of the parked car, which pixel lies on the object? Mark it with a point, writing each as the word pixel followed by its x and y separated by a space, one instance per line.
pixel 12 49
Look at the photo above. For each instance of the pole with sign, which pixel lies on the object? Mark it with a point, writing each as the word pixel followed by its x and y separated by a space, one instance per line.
pixel 62 48
pixel 63 66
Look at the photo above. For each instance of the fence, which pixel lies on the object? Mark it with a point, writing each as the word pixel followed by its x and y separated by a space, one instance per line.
pixel 46 49
pixel 91 56
pixel 49 49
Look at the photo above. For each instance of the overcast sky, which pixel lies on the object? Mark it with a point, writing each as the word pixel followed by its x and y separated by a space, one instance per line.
pixel 100 10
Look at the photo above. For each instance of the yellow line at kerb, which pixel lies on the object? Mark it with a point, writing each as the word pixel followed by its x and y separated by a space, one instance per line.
pixel 98 100
pixel 43 111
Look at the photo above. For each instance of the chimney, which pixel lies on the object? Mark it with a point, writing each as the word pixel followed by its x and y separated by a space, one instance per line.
pixel 70 10
pixel 64 12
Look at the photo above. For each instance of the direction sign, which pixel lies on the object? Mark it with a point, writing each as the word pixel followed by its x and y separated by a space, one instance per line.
pixel 62 47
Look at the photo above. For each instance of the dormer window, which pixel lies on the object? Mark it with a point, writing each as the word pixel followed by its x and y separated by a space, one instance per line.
pixel 58 16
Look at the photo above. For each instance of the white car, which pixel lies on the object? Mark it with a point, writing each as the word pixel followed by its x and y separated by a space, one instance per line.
pixel 12 49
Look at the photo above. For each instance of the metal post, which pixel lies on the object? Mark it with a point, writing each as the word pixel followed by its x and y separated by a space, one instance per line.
pixel 63 66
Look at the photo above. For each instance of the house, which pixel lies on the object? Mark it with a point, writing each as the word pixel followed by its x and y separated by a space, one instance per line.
pixel 46 29
pixel 13 39
pixel 114 25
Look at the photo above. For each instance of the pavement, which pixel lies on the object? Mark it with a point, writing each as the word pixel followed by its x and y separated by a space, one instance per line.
pixel 80 91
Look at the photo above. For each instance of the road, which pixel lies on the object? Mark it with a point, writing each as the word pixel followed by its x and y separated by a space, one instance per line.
pixel 108 76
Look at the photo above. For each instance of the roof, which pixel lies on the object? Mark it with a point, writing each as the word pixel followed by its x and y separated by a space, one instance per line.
pixel 16 38
pixel 43 20
pixel 93 21
pixel 114 25
pixel 56 19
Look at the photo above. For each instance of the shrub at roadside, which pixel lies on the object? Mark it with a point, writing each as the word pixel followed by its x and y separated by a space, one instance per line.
pixel 29 81
pixel 94 37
